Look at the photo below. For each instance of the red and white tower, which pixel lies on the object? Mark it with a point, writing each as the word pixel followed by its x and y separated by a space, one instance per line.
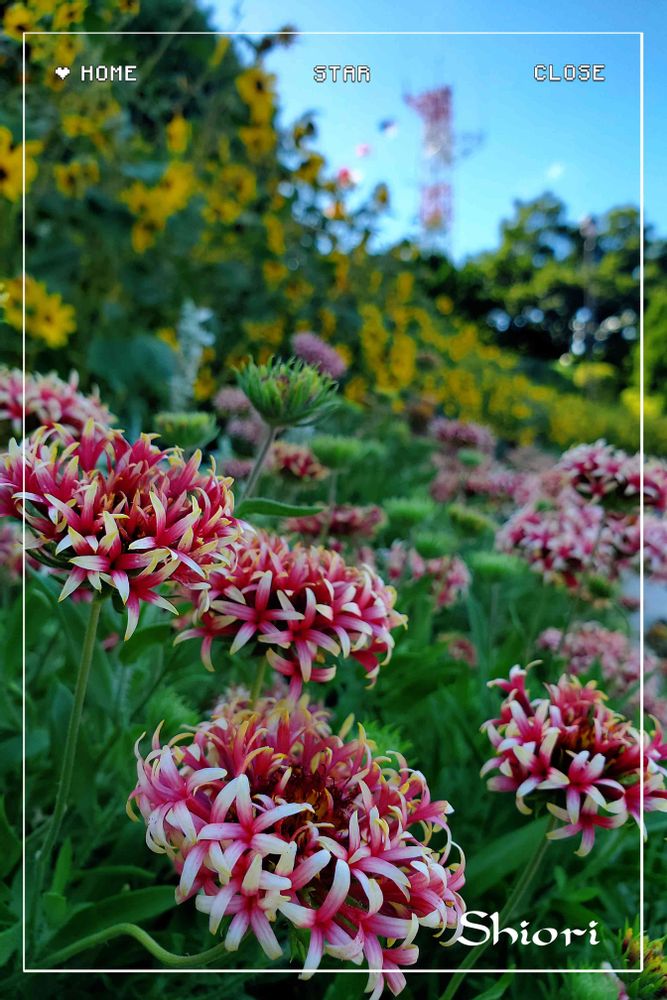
pixel 441 148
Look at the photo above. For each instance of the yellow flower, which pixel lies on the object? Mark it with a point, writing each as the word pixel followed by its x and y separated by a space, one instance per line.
pixel 18 19
pixel 153 206
pixel 11 166
pixel 309 169
pixel 167 335
pixel 404 286
pixel 444 304
pixel 53 321
pixel 240 182
pixel 67 14
pixel 144 233
pixel 74 178
pixel 298 291
pixel 204 385
pixel 256 90
pixel 258 141
pixel 176 186
pixel 356 389
pixel 327 322
pixel 43 7
pixel 274 272
pixel 178 134
pixel 47 318
pixel 275 235
pixel 66 51
pixel 219 51
pixel 345 353
pixel 221 209
pixel 129 6
pixel 270 333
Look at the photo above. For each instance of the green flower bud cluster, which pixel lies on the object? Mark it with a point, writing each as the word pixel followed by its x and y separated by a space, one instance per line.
pixel 187 430
pixel 337 452
pixel 288 393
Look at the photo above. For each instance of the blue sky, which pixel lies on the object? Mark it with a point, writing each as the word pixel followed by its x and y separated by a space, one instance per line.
pixel 579 140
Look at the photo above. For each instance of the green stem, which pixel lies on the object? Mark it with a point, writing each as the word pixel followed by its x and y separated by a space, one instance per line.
pixel 516 897
pixel 145 940
pixel 258 682
pixel 331 503
pixel 71 739
pixel 259 461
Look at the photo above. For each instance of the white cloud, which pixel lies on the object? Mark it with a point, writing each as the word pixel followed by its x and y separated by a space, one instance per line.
pixel 555 171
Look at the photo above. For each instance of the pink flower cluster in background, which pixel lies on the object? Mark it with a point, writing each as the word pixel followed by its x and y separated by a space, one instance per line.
pixel 271 819
pixel 338 522
pixel 48 401
pixel 301 606
pixel 231 401
pixel 601 472
pixel 590 643
pixel 569 750
pixel 315 351
pixel 295 461
pixel 449 574
pixel 249 430
pixel 105 513
pixel 456 434
pixel 562 540
pixel 237 468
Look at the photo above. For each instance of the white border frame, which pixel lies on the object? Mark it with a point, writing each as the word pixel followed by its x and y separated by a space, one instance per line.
pixel 359 971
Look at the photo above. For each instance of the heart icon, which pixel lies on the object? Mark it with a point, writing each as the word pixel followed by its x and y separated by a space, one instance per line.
pixel 62 71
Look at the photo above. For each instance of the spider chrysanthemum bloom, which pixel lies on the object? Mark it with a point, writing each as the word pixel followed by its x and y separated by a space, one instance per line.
pixel 299 606
pixel 271 819
pixel 295 462
pixel 589 645
pixel 563 540
pixel 449 575
pixel 568 750
pixel 605 474
pixel 48 401
pixel 106 514
pixel 455 434
pixel 342 521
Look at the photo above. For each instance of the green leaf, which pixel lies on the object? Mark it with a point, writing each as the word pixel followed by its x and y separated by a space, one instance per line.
pixel 503 856
pixel 59 713
pixel 132 906
pixel 54 905
pixel 129 871
pixel 497 990
pixel 63 869
pixel 10 845
pixel 274 508
pixel 10 941
pixel 592 986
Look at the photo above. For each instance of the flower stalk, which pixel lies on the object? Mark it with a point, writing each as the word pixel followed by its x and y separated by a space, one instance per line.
pixel 168 958
pixel 71 739
pixel 260 458
pixel 516 897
